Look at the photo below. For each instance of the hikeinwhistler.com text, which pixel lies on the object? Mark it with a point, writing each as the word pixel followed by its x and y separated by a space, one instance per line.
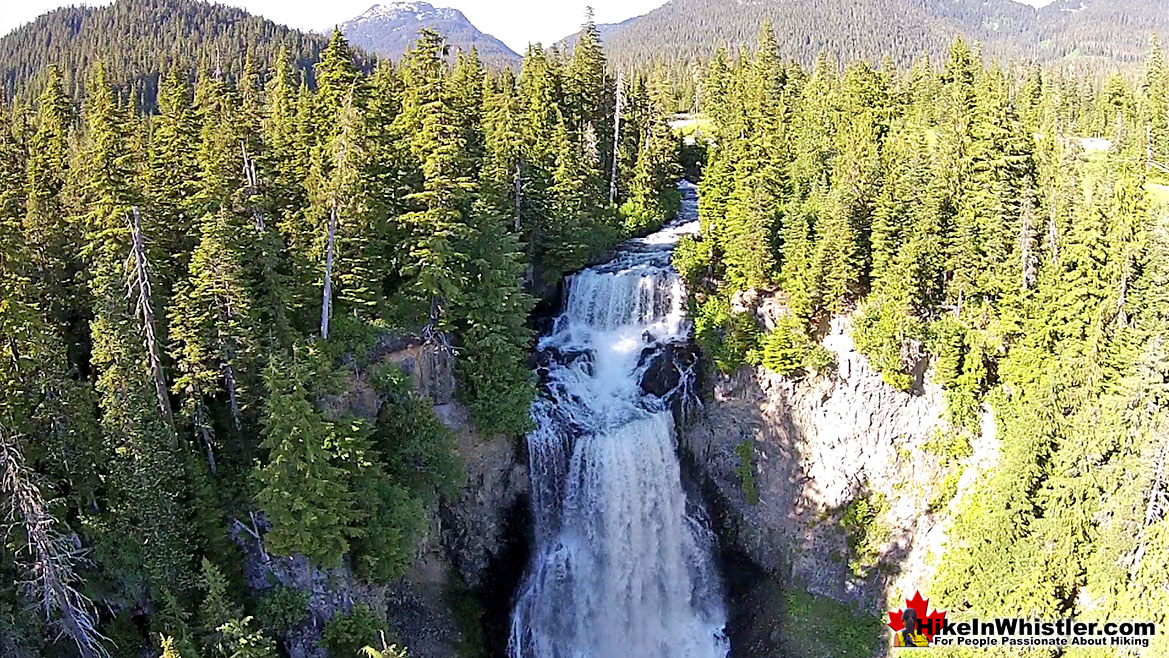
pixel 1020 632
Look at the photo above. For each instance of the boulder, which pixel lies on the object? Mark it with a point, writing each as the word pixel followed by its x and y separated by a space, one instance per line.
pixel 664 366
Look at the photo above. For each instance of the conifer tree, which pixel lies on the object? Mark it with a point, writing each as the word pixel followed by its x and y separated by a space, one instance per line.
pixel 652 197
pixel 52 241
pixel 345 248
pixel 285 151
pixel 171 179
pixel 503 168
pixel 1156 88
pixel 444 197
pixel 147 474
pixel 304 495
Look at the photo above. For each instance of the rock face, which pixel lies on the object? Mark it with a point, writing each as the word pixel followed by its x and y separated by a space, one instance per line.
pixel 467 553
pixel 815 445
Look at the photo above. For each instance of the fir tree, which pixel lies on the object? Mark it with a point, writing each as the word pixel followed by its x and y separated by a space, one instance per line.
pixel 147 474
pixel 304 495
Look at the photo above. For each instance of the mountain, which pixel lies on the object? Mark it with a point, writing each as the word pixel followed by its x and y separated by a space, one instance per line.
pixel 1109 29
pixel 389 29
pixel 138 39
pixel 605 29
pixel 1112 30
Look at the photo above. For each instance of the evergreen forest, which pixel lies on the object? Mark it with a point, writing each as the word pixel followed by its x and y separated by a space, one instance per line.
pixel 199 255
pixel 186 287
pixel 1010 224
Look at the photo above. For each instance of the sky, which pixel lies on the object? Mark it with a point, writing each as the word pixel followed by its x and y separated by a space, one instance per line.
pixel 515 22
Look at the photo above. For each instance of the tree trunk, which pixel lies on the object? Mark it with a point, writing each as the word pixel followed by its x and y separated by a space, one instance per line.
pixel 139 285
pixel 519 192
pixel 1026 239
pixel 47 555
pixel 1053 237
pixel 252 188
pixel 616 137
pixel 200 421
pixel 327 293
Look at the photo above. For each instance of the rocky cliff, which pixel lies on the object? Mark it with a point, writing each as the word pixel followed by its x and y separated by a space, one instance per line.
pixel 449 602
pixel 836 485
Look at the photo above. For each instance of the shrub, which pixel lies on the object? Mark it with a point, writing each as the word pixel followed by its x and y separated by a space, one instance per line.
pixel 745 471
pixel 729 339
pixel 344 636
pixel 865 531
pixel 692 260
pixel 950 446
pixel 818 626
pixel 281 608
pixel 880 332
pixel 947 489
pixel 788 349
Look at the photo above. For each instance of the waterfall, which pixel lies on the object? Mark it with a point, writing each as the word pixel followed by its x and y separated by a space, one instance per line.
pixel 622 563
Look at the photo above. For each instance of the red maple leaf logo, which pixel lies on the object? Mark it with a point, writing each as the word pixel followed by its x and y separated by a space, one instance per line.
pixel 931 623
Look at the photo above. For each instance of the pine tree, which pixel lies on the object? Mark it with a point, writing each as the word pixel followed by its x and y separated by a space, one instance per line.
pixel 52 241
pixel 346 245
pixel 135 414
pixel 285 151
pixel 172 179
pixel 652 195
pixel 444 198
pixel 503 167
pixel 491 325
pixel 304 495
pixel 1156 88
pixel 217 608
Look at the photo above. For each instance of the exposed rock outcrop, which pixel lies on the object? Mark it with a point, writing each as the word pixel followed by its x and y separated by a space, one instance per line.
pixel 465 551
pixel 814 445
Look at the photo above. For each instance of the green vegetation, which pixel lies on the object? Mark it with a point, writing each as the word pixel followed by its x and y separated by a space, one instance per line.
pixel 818 626
pixel 745 472
pixel 956 212
pixel 192 273
pixel 950 446
pixel 728 338
pixel 788 349
pixel 347 634
pixel 281 608
pixel 865 530
pixel 945 491
pixel 468 613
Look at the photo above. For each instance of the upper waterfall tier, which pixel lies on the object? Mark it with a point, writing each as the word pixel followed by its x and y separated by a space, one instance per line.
pixel 623 564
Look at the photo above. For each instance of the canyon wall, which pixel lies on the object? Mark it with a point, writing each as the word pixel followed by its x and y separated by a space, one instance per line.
pixel 788 465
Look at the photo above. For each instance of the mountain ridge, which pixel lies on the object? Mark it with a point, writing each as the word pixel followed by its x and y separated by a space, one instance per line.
pixel 388 29
pixel 141 39
pixel 1071 30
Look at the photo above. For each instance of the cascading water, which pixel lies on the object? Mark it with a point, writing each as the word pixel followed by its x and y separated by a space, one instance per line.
pixel 622 564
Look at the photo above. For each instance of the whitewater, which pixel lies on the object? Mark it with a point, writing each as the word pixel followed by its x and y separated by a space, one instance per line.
pixel 623 561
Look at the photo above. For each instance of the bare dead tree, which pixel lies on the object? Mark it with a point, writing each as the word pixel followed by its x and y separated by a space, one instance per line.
pixel 47 555
pixel 253 186
pixel 327 291
pixel 138 290
pixel 1026 238
pixel 203 425
pixel 1156 506
pixel 620 101
pixel 1053 236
